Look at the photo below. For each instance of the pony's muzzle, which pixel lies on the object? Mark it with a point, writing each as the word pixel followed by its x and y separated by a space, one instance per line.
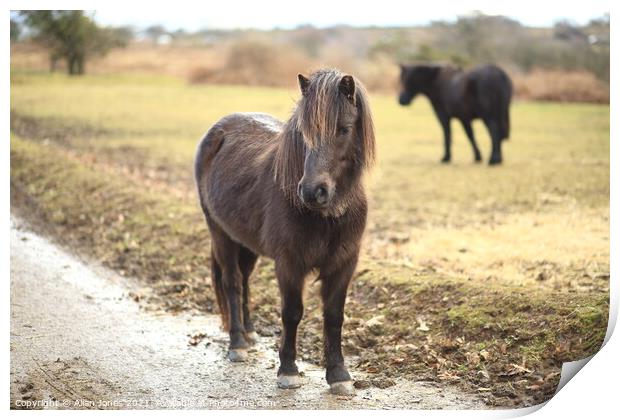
pixel 404 99
pixel 314 195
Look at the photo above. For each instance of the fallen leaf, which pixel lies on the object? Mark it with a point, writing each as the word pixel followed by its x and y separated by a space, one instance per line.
pixel 514 369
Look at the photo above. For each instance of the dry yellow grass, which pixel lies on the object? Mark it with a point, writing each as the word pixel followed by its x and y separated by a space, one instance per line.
pixel 564 250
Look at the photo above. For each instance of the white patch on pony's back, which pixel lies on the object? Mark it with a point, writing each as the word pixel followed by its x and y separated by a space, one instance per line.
pixel 266 121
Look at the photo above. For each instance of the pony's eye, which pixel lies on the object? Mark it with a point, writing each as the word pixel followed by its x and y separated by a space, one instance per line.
pixel 343 131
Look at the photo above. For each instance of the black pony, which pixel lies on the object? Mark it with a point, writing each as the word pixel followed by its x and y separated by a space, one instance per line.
pixel 484 92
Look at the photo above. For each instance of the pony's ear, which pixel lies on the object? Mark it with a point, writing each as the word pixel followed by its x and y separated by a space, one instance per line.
pixel 347 87
pixel 303 83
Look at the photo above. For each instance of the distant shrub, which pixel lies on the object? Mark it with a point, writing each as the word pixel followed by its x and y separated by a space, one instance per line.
pixel 563 86
pixel 255 63
pixel 379 75
pixel 201 74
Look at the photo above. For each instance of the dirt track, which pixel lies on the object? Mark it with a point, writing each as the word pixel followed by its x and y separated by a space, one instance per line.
pixel 78 340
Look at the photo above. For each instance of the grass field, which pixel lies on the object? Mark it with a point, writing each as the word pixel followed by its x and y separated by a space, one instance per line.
pixel 485 277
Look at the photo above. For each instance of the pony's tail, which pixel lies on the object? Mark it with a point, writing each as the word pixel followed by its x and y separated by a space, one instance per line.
pixel 207 149
pixel 220 292
pixel 505 124
pixel 505 108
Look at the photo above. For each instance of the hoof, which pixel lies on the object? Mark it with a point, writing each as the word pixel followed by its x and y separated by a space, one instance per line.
pixel 342 388
pixel 289 381
pixel 237 355
pixel 252 337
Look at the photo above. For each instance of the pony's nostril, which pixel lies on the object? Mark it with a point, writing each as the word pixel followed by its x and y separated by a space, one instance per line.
pixel 320 194
pixel 299 191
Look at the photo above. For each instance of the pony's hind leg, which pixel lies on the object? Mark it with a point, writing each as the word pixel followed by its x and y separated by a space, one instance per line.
pixel 229 285
pixel 472 140
pixel 247 261
pixel 496 150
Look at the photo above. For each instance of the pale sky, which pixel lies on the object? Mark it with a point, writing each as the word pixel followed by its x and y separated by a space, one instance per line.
pixel 266 14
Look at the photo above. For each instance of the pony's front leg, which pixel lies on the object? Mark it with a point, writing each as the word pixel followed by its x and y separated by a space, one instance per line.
pixel 447 138
pixel 290 282
pixel 334 293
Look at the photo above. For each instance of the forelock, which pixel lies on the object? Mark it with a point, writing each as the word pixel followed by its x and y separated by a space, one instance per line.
pixel 321 106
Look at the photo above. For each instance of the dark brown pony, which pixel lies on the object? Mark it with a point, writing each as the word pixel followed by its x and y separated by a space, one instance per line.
pixel 293 192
